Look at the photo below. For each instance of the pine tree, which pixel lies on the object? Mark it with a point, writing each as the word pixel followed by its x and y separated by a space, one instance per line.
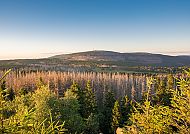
pixel 10 94
pixel 181 105
pixel 69 110
pixel 90 100
pixel 86 99
pixel 88 106
pixel 3 88
pixel 92 124
pixel 75 89
pixel 90 110
pixel 125 110
pixel 116 116
pixel 2 109
pixel 170 81
pixel 105 121
pixel 163 94
pixel 147 118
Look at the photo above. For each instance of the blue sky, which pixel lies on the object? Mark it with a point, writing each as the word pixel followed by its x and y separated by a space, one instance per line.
pixel 40 28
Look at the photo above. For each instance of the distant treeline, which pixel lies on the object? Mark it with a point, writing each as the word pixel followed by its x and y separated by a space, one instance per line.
pixel 122 84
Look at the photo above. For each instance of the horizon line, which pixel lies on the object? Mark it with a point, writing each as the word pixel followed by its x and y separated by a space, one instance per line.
pixel 50 54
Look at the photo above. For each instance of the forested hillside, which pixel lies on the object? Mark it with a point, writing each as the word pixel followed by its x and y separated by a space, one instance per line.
pixel 133 59
pixel 103 61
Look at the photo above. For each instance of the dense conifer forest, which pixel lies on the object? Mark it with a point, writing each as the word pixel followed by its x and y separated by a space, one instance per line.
pixel 89 102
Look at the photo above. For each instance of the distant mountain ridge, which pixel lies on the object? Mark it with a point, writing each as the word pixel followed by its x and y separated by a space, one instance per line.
pixel 102 61
pixel 135 58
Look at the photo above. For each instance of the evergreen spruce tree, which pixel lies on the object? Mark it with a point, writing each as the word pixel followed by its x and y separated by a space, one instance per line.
pixel 125 110
pixel 92 124
pixel 105 124
pixel 90 100
pixel 116 117
pixel 180 102
pixel 148 119
pixel 3 88
pixel 163 94
pixel 88 106
pixel 90 110
pixel 75 89
pixel 10 94
pixel 2 108
pixel 86 99
pixel 69 110
pixel 170 81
